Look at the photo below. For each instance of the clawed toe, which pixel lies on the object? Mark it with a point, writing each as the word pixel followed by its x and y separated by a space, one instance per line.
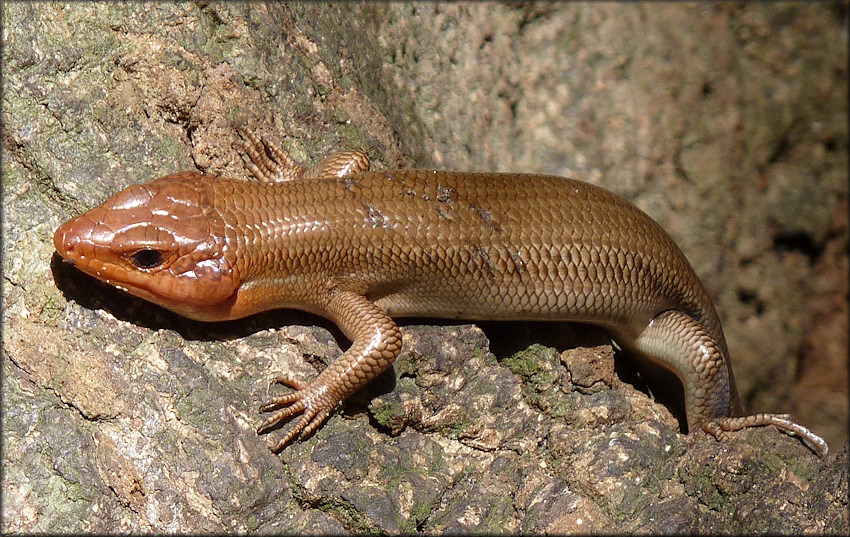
pixel 309 400
pixel 298 430
pixel 280 415
pixel 265 160
pixel 286 380
pixel 718 426
pixel 279 401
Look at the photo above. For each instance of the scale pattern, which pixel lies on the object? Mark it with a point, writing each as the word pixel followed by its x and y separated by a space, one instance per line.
pixel 361 247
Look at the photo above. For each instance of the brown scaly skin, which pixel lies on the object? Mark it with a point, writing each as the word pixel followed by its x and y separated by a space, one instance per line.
pixel 361 247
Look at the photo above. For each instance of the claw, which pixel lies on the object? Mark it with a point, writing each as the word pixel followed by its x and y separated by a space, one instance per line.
pixel 783 422
pixel 286 380
pixel 312 400
pixel 287 399
pixel 280 415
pixel 272 164
pixel 295 431
pixel 266 161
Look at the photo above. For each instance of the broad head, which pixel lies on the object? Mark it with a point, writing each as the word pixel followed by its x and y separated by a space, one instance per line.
pixel 163 241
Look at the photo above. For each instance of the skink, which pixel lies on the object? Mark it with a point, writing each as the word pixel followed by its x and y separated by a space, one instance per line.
pixel 361 247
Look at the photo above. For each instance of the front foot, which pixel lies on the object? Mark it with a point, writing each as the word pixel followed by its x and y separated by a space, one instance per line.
pixel 266 161
pixel 314 401
pixel 271 164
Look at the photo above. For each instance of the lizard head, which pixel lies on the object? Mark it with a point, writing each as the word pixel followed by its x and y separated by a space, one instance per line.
pixel 163 241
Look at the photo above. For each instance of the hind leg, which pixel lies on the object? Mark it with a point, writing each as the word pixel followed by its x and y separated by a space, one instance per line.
pixel 680 343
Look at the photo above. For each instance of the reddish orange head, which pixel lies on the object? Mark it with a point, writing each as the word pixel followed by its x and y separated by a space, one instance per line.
pixel 162 241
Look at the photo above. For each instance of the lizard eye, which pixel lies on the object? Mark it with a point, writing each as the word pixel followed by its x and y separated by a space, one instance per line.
pixel 147 258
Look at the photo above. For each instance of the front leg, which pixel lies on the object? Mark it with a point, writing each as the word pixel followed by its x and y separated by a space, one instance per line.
pixel 376 341
pixel 271 164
